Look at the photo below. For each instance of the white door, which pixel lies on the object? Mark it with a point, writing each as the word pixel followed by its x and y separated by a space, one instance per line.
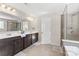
pixel 45 29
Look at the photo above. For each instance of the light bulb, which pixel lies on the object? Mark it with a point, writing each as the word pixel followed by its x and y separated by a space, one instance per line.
pixel 3 5
pixel 9 8
pixel 13 10
pixel 30 18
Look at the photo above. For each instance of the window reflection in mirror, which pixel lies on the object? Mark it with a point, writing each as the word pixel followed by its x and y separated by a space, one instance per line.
pixel 25 25
pixel 13 25
pixel 2 25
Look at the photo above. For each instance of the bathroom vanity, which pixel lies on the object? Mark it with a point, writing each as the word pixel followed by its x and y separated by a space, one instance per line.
pixel 11 40
pixel 30 39
pixel 12 45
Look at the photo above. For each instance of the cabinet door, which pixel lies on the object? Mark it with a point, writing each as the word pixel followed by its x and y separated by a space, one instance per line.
pixel 27 40
pixel 6 47
pixel 34 37
pixel 18 44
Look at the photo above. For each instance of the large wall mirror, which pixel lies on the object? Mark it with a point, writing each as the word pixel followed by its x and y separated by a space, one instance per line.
pixel 9 25
pixel 9 22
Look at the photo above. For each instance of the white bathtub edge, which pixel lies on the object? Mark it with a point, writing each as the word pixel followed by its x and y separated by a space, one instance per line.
pixel 72 41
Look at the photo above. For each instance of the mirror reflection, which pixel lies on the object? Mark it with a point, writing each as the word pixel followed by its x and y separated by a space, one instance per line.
pixel 2 25
pixel 9 25
pixel 13 25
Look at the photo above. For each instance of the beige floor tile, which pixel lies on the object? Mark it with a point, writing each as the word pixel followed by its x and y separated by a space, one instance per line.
pixel 42 50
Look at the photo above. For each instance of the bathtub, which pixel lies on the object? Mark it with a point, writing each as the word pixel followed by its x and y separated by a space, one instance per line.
pixel 71 47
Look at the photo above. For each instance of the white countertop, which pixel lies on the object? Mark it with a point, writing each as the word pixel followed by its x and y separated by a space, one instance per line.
pixel 15 33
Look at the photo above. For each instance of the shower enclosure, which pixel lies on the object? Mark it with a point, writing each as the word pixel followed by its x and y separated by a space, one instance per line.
pixel 70 29
pixel 70 22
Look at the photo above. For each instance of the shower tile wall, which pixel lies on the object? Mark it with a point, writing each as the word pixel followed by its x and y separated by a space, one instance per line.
pixel 72 27
pixel 70 22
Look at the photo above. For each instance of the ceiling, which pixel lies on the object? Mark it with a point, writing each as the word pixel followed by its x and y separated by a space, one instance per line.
pixel 73 8
pixel 37 9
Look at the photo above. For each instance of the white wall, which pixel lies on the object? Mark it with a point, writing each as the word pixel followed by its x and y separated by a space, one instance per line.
pixel 50 29
pixel 56 30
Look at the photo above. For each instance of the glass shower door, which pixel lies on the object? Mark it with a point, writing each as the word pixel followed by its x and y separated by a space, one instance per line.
pixel 72 22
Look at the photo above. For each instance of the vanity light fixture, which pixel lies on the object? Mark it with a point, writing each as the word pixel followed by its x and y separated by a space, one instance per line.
pixel 3 5
pixel 8 8
pixel 13 10
pixel 30 18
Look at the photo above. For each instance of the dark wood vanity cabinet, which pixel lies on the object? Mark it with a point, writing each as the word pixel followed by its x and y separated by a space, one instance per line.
pixel 10 46
pixel 30 39
pixel 13 45
pixel 18 44
pixel 27 41
pixel 6 47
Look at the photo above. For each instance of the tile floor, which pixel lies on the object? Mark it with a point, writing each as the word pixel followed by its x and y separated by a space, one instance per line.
pixel 38 49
